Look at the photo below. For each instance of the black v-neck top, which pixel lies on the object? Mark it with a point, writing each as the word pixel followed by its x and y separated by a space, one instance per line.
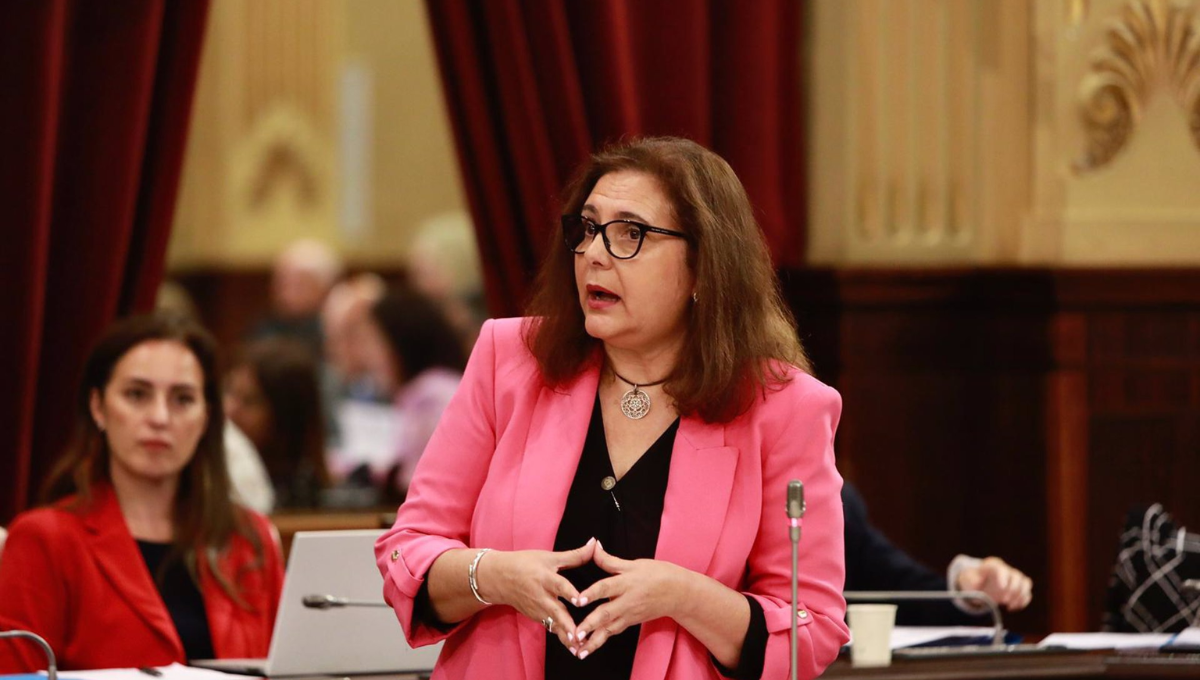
pixel 626 519
pixel 183 599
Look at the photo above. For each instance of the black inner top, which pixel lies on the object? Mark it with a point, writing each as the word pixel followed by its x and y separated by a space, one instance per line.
pixel 626 520
pixel 184 602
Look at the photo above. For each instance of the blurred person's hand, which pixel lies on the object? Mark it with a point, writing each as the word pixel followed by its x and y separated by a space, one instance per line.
pixel 1001 581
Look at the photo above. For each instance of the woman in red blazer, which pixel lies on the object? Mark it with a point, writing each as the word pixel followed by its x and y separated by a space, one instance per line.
pixel 605 496
pixel 141 559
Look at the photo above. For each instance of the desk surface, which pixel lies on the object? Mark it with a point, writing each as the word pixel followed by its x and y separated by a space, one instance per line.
pixel 1030 667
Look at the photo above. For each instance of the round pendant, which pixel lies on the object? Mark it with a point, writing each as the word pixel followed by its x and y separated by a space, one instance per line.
pixel 635 404
pixel 608 483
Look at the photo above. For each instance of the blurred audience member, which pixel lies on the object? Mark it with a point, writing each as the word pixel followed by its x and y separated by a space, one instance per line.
pixel 414 354
pixel 251 484
pixel 303 275
pixel 272 395
pixel 443 263
pixel 345 319
pixel 247 475
pixel 873 563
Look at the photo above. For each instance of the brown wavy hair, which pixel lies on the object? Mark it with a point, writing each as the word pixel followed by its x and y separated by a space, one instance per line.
pixel 288 376
pixel 739 332
pixel 205 518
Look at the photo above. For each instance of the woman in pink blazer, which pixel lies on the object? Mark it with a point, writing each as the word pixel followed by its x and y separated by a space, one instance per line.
pixel 605 496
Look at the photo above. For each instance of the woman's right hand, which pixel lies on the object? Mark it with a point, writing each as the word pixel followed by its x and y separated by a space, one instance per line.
pixel 529 581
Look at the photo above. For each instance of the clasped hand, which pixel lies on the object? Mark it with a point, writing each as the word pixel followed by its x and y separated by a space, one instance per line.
pixel 529 581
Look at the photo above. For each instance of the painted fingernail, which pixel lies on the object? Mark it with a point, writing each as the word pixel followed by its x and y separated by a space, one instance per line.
pixel 573 651
pixel 575 601
pixel 591 541
pixel 583 655
pixel 582 600
pixel 571 637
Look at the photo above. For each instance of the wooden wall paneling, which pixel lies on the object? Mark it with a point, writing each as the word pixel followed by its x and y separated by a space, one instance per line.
pixel 1066 470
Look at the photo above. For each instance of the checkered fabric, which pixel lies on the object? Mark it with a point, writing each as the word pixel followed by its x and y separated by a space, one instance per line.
pixel 1145 591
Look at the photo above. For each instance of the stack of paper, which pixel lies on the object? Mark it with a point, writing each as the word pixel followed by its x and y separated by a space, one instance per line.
pixel 1106 640
pixel 917 636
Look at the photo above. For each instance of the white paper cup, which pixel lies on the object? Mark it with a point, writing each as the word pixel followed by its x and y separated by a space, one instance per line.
pixel 871 629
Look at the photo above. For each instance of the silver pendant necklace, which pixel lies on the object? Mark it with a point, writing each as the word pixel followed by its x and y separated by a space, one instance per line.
pixel 635 403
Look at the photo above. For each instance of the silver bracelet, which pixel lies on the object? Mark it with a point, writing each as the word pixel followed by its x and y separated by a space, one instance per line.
pixel 471 576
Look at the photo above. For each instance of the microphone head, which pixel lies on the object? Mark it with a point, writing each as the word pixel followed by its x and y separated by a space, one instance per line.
pixel 320 601
pixel 795 499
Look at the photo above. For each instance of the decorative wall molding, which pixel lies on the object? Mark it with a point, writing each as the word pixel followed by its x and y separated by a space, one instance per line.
pixel 1151 45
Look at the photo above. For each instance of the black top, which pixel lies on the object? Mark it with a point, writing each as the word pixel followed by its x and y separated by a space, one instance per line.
pixel 873 563
pixel 626 519
pixel 183 599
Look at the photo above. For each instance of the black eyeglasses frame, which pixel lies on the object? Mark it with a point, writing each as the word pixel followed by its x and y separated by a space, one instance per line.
pixel 568 221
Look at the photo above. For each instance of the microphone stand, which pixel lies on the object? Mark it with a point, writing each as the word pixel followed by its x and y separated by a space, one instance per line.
pixel 795 513
pixel 973 595
pixel 51 664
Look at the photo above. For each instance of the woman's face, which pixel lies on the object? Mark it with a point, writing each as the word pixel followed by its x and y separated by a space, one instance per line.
pixel 246 405
pixel 638 304
pixel 152 411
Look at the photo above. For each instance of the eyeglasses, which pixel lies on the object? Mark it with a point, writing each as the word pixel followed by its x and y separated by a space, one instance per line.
pixel 623 242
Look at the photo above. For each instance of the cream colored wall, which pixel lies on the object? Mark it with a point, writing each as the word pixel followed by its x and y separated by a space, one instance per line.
pixel 948 132
pixel 266 160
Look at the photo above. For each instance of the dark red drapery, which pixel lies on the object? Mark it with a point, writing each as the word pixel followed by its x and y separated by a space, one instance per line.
pixel 95 99
pixel 534 85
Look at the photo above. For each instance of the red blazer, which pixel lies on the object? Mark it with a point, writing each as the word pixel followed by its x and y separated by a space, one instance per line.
pixel 77 578
pixel 497 472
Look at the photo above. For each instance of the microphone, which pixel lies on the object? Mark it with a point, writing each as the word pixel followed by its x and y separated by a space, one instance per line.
pixel 795 513
pixel 327 601
pixel 795 507
pixel 51 664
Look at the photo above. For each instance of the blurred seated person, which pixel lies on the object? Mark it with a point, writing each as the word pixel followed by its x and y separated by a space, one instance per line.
pixel 140 558
pixel 345 319
pixel 248 476
pixel 303 275
pixel 414 353
pixel 873 563
pixel 443 263
pixel 251 486
pixel 273 396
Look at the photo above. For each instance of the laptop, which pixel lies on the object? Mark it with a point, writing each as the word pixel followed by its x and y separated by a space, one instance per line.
pixel 339 640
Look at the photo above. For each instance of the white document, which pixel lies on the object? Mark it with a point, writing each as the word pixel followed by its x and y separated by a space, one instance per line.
pixel 173 672
pixel 1106 640
pixel 368 434
pixel 912 636
pixel 1188 637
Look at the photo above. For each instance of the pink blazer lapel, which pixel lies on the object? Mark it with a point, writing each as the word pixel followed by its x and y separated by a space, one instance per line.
pixel 118 558
pixel 698 493
pixel 552 449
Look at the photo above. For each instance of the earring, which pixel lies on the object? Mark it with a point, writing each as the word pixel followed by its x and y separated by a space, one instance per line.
pixel 695 298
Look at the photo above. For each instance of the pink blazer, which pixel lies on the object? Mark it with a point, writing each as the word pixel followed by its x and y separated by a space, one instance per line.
pixel 497 472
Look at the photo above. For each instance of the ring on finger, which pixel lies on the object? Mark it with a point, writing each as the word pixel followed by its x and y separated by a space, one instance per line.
pixel 548 623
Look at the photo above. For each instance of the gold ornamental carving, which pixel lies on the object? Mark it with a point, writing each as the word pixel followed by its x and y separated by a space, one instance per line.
pixel 1151 45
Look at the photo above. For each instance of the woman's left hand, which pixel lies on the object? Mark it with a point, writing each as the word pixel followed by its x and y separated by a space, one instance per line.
pixel 638 591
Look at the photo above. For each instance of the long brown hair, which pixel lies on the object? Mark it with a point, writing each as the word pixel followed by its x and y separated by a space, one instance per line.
pixel 205 519
pixel 739 330
pixel 294 452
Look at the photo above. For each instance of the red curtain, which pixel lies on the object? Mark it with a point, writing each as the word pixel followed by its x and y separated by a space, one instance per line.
pixel 95 99
pixel 534 85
